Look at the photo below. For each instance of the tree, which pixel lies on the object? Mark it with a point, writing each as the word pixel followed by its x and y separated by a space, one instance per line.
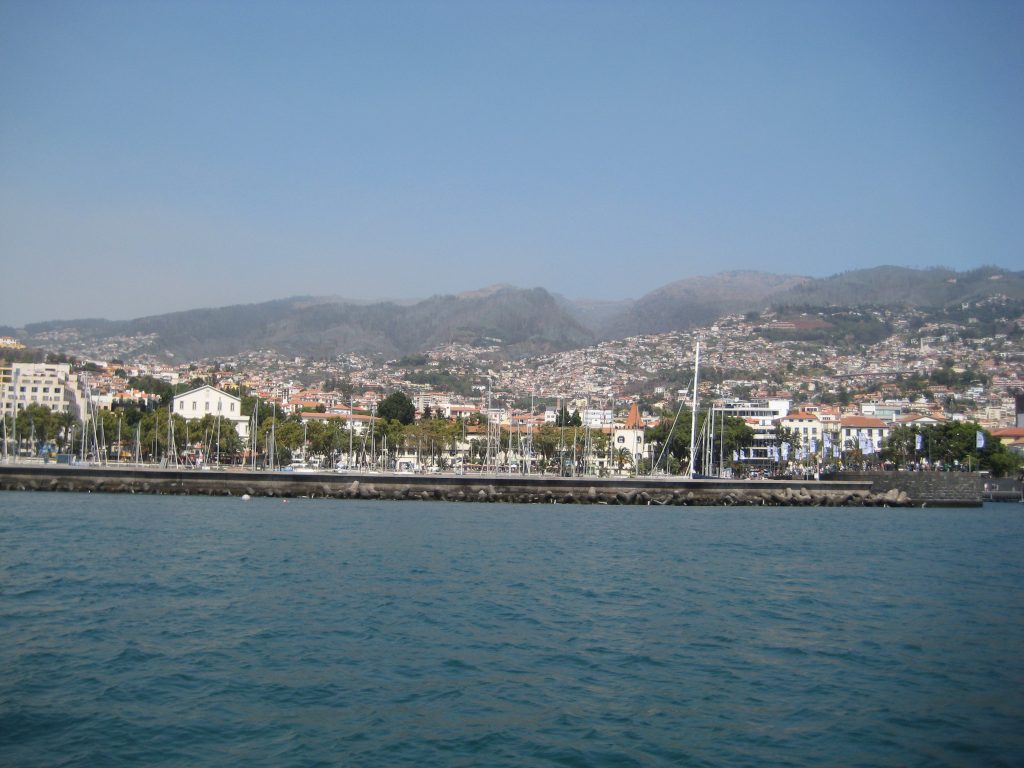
pixel 564 419
pixel 398 407
pixel 267 410
pixel 955 443
pixel 153 386
pixel 901 446
pixel 623 457
pixel 35 425
pixel 787 435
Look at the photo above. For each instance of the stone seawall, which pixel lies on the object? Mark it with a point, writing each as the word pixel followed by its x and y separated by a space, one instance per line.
pixel 847 491
pixel 932 489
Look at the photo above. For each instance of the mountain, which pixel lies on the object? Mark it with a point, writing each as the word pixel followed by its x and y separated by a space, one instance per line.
pixel 521 321
pixel 697 301
pixel 901 286
pixel 599 315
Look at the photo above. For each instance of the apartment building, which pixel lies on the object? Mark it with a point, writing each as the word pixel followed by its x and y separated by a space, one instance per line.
pixel 761 416
pixel 50 385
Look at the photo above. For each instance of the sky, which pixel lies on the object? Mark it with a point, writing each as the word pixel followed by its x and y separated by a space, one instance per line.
pixel 158 156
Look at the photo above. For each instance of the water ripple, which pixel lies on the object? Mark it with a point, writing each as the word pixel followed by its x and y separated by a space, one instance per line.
pixel 177 631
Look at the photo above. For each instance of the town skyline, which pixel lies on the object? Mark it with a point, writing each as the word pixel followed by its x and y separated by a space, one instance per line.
pixel 870 382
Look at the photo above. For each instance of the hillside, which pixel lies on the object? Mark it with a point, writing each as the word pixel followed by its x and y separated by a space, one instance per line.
pixel 697 301
pixel 900 286
pixel 523 321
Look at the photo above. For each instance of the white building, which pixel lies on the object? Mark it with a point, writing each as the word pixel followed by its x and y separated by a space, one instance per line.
pixel 597 417
pixel 435 401
pixel 761 416
pixel 631 436
pixel 47 384
pixel 210 401
pixel 854 430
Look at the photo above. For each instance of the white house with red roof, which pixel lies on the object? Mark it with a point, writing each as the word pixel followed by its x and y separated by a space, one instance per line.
pixel 630 436
pixel 802 423
pixel 854 429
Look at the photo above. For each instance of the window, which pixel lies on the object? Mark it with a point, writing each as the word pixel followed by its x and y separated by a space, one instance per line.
pixel 194 405
pixel 207 405
pixel 622 438
pixel 181 405
pixel 232 406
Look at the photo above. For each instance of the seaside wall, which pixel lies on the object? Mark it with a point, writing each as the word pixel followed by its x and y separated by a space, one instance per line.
pixel 867 490
pixel 932 489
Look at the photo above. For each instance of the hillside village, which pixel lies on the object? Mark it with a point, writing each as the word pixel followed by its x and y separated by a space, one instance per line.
pixel 759 367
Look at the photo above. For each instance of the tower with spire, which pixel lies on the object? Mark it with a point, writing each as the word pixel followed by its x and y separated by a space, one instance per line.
pixel 630 436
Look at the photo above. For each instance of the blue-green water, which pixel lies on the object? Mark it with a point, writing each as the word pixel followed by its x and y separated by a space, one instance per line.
pixel 141 630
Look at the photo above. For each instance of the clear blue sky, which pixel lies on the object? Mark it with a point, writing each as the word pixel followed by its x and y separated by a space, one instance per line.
pixel 157 156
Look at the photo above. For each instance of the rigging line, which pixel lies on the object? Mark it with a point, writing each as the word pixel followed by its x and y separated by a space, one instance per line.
pixel 668 440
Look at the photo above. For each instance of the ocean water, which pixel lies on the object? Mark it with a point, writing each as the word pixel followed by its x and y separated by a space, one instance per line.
pixel 142 630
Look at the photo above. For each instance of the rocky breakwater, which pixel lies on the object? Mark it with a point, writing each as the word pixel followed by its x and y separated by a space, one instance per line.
pixel 452 488
pixel 701 497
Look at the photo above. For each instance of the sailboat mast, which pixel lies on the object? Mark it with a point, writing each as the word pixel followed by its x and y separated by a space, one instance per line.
pixel 693 415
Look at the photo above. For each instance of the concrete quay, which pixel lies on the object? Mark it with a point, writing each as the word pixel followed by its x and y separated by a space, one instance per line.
pixel 883 489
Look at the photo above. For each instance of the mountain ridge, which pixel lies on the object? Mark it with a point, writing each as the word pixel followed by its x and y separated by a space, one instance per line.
pixel 520 321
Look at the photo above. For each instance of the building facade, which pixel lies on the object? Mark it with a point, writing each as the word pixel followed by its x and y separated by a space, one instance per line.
pixel 761 416
pixel 50 385
pixel 630 436
pixel 210 401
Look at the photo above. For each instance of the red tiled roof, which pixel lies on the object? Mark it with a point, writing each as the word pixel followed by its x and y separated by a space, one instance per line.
pixel 862 422
pixel 633 421
pixel 801 415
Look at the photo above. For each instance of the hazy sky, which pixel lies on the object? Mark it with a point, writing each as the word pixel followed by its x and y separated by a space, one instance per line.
pixel 157 156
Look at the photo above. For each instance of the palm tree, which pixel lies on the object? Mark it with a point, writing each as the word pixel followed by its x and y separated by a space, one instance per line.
pixel 623 457
pixel 65 421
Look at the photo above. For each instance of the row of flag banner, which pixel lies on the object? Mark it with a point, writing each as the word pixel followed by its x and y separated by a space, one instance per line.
pixel 866 445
